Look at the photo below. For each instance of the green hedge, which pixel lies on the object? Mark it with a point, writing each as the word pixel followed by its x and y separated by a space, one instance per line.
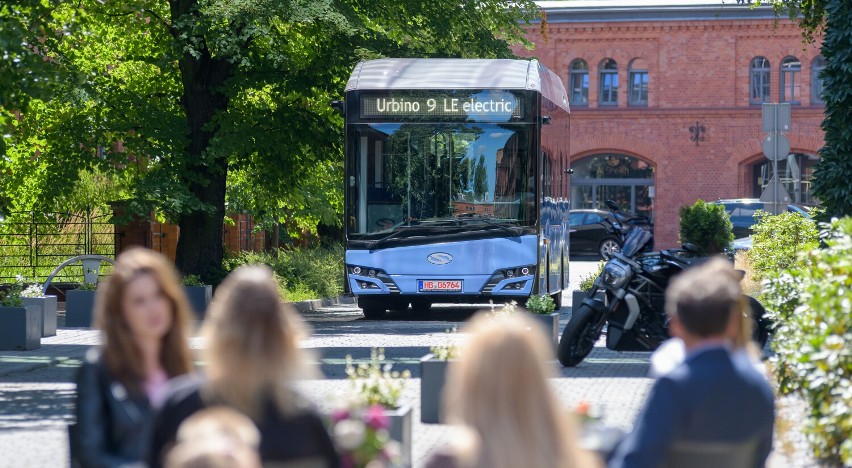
pixel 707 225
pixel 812 305
pixel 778 239
pixel 312 273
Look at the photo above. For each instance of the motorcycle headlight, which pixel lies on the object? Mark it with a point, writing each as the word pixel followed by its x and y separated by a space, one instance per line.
pixel 615 274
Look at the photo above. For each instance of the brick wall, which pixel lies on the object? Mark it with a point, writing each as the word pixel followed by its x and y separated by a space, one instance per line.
pixel 698 72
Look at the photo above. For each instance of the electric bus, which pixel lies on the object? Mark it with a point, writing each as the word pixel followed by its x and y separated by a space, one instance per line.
pixel 456 182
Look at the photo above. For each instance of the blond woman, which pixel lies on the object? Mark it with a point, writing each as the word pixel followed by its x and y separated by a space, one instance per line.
pixel 142 313
pixel 499 399
pixel 252 357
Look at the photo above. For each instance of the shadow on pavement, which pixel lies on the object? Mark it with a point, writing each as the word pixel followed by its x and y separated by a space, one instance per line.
pixel 28 408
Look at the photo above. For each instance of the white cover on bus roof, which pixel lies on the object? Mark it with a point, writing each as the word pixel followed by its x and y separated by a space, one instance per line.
pixel 433 73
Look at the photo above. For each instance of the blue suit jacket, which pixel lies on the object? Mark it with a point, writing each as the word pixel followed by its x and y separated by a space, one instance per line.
pixel 711 397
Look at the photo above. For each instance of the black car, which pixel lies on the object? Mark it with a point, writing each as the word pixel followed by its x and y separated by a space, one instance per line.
pixel 742 212
pixel 589 231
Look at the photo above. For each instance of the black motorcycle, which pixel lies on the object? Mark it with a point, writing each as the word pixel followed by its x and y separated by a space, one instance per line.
pixel 629 297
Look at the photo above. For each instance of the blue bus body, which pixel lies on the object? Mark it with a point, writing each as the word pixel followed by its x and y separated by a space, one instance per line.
pixel 456 182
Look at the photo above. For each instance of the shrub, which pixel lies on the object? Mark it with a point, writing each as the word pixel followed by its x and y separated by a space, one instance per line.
pixel 811 303
pixel 778 239
pixel 708 226
pixel 302 274
pixel 586 282
pixel 540 304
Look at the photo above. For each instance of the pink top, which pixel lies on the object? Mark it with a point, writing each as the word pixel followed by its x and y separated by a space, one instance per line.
pixel 155 388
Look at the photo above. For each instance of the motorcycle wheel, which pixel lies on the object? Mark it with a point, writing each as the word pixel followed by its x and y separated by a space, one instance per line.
pixel 578 338
pixel 760 332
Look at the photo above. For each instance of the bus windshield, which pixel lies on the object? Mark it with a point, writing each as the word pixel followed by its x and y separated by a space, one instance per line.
pixel 438 178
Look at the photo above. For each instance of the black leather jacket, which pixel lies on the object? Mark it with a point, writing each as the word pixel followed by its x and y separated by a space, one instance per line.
pixel 113 426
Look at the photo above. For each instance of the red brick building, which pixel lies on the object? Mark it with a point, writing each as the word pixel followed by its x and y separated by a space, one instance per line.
pixel 666 101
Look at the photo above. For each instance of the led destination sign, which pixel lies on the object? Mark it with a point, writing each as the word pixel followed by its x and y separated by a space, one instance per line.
pixel 499 106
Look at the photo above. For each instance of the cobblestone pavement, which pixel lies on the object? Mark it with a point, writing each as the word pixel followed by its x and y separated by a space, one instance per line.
pixel 37 389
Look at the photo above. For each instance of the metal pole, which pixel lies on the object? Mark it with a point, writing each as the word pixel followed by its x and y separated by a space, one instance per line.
pixel 775 160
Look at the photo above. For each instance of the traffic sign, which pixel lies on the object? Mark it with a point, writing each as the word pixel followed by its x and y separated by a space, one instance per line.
pixel 776 147
pixel 768 117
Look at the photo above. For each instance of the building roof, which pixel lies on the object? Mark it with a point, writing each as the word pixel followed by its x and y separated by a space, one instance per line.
pixel 438 73
pixel 651 10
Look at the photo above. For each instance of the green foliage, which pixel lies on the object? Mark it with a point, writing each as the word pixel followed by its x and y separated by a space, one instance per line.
pixel 374 383
pixel 449 350
pixel 588 281
pixel 302 274
pixel 777 241
pixel 192 280
pixel 833 171
pixel 706 225
pixel 812 306
pixel 87 287
pixel 12 296
pixel 540 304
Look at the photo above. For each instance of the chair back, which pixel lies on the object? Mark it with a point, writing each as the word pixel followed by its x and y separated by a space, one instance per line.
pixel 712 455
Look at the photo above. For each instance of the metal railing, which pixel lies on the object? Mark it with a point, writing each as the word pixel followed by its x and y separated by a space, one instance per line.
pixel 33 244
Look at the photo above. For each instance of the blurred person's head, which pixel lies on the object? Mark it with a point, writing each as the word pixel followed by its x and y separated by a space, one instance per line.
pixel 142 303
pixel 706 303
pixel 216 437
pixel 252 343
pixel 498 391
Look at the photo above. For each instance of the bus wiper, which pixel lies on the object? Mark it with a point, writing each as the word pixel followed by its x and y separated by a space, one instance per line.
pixel 491 222
pixel 399 230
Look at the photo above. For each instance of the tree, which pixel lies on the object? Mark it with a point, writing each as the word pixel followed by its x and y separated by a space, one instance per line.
pixel 834 170
pixel 177 96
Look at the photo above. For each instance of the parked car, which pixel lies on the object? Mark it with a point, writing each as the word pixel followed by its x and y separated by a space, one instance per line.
pixel 742 212
pixel 589 231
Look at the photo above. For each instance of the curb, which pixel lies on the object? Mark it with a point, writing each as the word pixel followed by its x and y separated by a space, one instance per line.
pixel 309 306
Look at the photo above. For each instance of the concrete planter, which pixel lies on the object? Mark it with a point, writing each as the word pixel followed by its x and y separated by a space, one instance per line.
pixel 47 306
pixel 20 328
pixel 400 431
pixel 433 374
pixel 550 325
pixel 578 296
pixel 79 307
pixel 199 298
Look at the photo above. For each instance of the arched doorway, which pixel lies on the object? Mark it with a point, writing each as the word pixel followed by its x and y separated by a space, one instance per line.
pixel 795 171
pixel 613 176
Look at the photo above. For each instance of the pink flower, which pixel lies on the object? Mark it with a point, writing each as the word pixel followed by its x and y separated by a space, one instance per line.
pixel 339 415
pixel 376 418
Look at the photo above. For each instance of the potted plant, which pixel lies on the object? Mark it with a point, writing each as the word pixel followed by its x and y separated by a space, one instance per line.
pixel 541 308
pixel 79 305
pixel 362 437
pixel 433 372
pixel 375 384
pixel 198 294
pixel 586 283
pixel 20 325
pixel 32 295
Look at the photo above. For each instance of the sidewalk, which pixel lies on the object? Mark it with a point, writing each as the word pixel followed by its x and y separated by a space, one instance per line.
pixel 69 344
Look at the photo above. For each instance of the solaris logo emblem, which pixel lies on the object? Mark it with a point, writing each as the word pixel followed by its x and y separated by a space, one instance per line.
pixel 439 258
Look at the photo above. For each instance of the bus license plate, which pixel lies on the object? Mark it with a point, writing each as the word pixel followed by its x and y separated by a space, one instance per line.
pixel 439 285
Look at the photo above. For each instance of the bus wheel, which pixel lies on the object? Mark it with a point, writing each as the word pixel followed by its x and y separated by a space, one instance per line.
pixel 374 312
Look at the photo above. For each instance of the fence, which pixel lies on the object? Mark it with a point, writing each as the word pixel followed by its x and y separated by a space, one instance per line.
pixel 33 244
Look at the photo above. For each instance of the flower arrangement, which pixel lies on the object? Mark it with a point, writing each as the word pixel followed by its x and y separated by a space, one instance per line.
pixel 361 435
pixel 33 290
pixel 12 297
pixel 192 280
pixel 448 351
pixel 375 383
pixel 508 308
pixel 541 305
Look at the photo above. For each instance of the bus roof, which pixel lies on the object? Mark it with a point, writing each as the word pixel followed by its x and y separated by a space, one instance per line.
pixel 439 73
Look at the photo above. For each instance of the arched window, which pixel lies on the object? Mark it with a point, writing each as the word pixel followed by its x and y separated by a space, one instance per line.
pixel 759 80
pixel 579 83
pixel 608 95
pixel 790 70
pixel 817 66
pixel 637 93
pixel 796 172
pixel 627 180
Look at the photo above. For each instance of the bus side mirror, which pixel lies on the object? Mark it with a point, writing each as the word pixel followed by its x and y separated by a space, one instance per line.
pixel 339 106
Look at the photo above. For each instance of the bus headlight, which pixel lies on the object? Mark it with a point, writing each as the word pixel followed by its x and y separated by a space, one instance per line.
pixel 616 274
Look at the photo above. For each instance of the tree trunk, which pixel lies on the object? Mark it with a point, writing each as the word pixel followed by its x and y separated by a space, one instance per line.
pixel 200 247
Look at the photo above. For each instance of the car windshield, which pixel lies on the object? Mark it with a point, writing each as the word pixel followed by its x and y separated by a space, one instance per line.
pixel 465 176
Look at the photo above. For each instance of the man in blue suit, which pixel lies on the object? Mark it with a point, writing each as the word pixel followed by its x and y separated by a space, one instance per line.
pixel 713 398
